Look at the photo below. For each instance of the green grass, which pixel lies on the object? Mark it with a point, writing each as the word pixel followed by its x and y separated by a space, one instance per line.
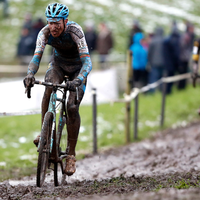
pixel 18 154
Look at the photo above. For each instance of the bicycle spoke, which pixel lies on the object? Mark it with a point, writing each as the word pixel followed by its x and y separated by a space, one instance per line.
pixel 44 149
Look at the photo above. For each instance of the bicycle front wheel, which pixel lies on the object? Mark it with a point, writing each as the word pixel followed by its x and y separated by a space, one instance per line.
pixel 59 177
pixel 44 145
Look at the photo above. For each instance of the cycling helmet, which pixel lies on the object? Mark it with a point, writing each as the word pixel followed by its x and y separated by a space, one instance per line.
pixel 56 11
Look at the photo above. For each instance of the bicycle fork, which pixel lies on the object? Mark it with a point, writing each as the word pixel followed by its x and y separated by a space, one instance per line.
pixel 52 109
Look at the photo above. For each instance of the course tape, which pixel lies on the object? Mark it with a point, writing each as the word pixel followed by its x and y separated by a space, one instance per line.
pixel 136 91
pixel 127 98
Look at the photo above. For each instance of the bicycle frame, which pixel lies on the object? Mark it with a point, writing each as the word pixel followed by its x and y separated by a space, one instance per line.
pixel 55 136
pixel 54 154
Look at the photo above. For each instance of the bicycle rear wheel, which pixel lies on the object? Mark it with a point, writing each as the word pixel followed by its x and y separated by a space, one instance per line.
pixel 44 145
pixel 59 177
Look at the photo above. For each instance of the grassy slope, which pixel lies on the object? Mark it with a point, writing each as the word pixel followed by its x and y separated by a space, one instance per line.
pixel 180 109
pixel 118 14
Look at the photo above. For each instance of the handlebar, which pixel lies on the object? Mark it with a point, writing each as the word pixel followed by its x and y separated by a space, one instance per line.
pixel 28 90
pixel 48 84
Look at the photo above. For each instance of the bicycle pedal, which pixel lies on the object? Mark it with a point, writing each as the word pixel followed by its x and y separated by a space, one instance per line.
pixel 49 165
pixel 63 153
pixel 45 151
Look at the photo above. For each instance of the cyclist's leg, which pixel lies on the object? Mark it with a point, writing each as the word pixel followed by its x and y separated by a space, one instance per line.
pixel 73 121
pixel 73 125
pixel 54 74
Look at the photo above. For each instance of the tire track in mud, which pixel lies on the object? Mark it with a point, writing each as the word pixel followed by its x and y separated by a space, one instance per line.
pixel 171 159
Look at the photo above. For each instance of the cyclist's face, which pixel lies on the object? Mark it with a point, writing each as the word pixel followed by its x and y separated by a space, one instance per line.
pixel 56 28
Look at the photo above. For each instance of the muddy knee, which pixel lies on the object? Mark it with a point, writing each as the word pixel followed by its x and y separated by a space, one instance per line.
pixel 47 94
pixel 72 111
pixel 45 101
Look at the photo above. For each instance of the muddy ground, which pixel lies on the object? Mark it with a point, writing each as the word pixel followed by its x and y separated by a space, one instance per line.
pixel 164 167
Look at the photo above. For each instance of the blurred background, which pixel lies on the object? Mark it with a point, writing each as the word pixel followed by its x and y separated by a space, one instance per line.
pixel 114 31
pixel 20 17
pixel 109 28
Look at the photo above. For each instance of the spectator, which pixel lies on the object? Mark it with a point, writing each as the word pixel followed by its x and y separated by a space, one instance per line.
pixel 28 23
pixel 172 54
pixel 90 36
pixel 139 61
pixel 146 41
pixel 5 8
pixel 185 54
pixel 190 31
pixel 104 44
pixel 25 47
pixel 155 56
pixel 135 29
pixel 37 26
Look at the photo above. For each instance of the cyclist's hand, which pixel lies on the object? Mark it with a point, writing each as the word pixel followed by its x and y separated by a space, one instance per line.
pixel 71 85
pixel 29 81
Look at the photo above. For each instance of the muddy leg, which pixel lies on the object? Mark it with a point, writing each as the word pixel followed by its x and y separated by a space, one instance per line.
pixel 53 75
pixel 45 101
pixel 73 122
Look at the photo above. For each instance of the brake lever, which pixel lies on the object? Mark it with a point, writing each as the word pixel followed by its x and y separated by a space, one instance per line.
pixel 28 91
pixel 77 97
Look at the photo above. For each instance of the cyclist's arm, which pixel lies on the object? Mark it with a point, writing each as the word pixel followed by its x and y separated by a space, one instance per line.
pixel 79 37
pixel 40 46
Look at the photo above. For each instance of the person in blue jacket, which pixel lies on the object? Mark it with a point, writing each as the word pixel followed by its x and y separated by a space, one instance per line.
pixel 139 61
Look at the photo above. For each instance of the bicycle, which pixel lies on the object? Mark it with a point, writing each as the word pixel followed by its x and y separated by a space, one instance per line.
pixel 49 148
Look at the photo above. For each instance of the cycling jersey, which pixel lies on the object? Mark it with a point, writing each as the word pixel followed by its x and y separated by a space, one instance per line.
pixel 70 47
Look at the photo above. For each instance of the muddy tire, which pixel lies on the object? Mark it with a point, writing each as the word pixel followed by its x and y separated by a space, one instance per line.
pixel 44 149
pixel 59 177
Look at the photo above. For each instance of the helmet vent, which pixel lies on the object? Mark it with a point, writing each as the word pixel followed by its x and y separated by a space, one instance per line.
pixel 57 10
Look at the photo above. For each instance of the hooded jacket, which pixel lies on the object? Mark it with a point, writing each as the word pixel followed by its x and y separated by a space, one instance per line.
pixel 139 60
pixel 172 51
pixel 155 53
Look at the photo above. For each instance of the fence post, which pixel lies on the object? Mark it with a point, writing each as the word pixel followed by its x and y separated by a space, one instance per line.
pixel 94 121
pixel 164 87
pixel 136 117
pixel 128 91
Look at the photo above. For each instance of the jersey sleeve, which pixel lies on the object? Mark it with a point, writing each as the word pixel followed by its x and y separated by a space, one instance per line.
pixel 41 42
pixel 79 38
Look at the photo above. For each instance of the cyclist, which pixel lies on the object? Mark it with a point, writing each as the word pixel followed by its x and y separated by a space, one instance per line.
pixel 70 57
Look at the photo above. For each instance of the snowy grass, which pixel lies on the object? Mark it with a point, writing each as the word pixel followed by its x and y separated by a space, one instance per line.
pixel 18 132
pixel 118 14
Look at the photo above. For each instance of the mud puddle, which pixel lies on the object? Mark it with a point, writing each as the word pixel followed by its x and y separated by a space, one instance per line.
pixel 165 167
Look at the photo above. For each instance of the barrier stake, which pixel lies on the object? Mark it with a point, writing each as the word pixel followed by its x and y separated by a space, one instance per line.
pixel 136 118
pixel 128 91
pixel 164 87
pixel 94 121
